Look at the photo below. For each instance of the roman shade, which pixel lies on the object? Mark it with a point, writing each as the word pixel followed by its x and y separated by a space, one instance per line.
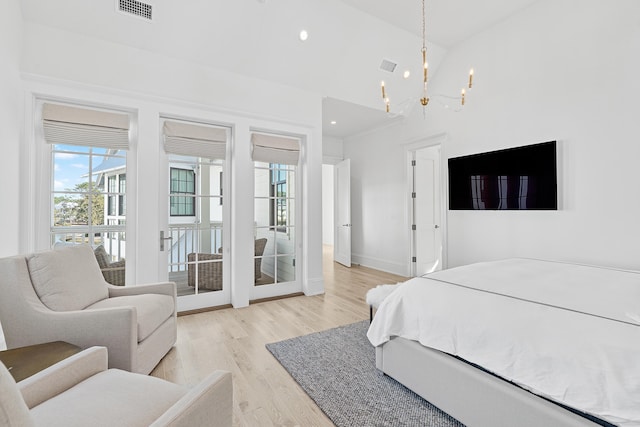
pixel 64 124
pixel 189 139
pixel 275 149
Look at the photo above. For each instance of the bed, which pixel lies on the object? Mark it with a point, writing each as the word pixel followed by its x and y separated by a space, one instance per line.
pixel 517 342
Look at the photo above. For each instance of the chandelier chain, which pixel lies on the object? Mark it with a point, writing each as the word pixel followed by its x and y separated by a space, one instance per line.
pixel 424 28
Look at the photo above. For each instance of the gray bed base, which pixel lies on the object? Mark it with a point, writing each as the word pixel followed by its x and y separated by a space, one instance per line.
pixel 470 395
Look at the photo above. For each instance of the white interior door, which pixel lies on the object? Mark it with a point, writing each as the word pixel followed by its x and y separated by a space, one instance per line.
pixel 427 211
pixel 342 205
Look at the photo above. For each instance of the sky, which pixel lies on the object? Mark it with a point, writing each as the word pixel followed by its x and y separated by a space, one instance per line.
pixel 71 165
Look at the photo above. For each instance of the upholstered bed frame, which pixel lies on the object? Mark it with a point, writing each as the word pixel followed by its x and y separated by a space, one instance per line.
pixel 471 395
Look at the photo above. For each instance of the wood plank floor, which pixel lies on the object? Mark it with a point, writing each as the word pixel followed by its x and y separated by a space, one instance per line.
pixel 234 340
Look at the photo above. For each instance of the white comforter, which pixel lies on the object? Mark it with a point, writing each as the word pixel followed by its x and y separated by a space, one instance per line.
pixel 567 332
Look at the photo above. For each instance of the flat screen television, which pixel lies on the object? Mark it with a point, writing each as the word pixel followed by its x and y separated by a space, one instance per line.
pixel 519 178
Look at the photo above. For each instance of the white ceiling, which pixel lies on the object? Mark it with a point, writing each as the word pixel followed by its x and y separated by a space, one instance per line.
pixel 351 119
pixel 258 38
pixel 448 21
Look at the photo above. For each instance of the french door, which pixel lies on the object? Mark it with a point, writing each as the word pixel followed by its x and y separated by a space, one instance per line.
pixel 194 234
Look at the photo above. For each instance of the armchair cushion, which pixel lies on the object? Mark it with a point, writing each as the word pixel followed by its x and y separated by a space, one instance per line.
pixel 80 391
pixel 111 397
pixel 152 310
pixel 67 278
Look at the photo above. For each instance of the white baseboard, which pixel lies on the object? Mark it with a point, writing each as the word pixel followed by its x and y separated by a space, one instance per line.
pixel 381 264
pixel 313 287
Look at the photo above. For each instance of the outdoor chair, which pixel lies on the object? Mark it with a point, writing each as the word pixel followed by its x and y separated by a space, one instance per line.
pixel 113 272
pixel 61 295
pixel 80 391
pixel 210 273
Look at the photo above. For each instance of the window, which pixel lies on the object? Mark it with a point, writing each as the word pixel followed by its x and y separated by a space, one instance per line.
pixel 122 201
pixel 115 198
pixel 278 191
pixel 111 199
pixel 183 190
pixel 88 155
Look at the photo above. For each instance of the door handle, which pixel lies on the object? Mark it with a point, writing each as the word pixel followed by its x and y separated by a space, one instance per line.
pixel 162 239
pixel 436 226
pixel 346 225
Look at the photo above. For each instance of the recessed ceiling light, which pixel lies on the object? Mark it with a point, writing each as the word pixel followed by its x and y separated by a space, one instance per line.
pixel 303 35
pixel 333 122
pixel 406 74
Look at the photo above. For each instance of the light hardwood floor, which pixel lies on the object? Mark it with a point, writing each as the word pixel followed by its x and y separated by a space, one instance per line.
pixel 234 340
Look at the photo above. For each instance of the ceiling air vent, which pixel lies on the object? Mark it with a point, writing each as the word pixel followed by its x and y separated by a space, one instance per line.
pixel 135 7
pixel 388 66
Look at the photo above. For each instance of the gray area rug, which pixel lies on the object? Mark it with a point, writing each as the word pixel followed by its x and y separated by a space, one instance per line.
pixel 337 369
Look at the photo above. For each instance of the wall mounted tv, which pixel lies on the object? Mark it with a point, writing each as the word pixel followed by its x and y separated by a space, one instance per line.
pixel 519 178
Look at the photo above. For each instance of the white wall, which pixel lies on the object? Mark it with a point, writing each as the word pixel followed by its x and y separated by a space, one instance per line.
pixel 378 201
pixel 10 127
pixel 10 123
pixel 332 150
pixel 151 85
pixel 552 72
pixel 332 153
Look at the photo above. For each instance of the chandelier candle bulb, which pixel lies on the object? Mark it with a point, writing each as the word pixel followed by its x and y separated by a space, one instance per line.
pixel 424 98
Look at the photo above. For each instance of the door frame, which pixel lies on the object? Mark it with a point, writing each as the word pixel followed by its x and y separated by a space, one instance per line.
pixel 409 148
pixel 337 222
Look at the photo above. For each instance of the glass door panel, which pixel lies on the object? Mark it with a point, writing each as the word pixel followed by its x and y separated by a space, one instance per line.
pixel 274 223
pixel 196 258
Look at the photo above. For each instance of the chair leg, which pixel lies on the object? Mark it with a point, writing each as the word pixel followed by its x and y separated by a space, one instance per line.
pixel 370 313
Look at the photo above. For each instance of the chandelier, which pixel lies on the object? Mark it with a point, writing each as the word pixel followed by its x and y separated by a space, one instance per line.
pixel 424 99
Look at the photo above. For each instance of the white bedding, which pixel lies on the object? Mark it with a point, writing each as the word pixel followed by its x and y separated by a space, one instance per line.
pixel 508 317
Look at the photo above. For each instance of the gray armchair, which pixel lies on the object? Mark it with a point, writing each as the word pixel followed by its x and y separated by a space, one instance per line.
pixel 61 295
pixel 81 391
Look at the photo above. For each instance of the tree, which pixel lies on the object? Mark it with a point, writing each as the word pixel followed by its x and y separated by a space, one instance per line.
pixel 73 209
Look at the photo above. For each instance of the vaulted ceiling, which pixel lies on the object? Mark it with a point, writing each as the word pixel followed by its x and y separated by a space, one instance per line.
pixel 340 61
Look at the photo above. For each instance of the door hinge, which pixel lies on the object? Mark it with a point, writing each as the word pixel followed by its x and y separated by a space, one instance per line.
pixel 413 162
pixel 413 195
pixel 413 227
pixel 413 259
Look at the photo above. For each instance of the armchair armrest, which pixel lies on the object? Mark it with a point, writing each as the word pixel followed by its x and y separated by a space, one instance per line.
pixel 209 403
pixel 165 288
pixel 63 375
pixel 84 328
